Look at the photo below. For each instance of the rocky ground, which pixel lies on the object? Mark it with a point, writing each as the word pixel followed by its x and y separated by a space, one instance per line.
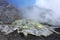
pixel 9 14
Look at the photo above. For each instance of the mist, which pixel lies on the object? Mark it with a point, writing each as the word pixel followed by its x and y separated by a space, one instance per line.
pixel 54 5
pixel 44 11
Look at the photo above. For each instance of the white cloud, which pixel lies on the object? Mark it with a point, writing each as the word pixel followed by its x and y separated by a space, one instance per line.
pixel 42 3
pixel 50 4
pixel 54 5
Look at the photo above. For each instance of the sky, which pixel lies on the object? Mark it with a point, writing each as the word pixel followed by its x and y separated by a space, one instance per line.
pixel 50 4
